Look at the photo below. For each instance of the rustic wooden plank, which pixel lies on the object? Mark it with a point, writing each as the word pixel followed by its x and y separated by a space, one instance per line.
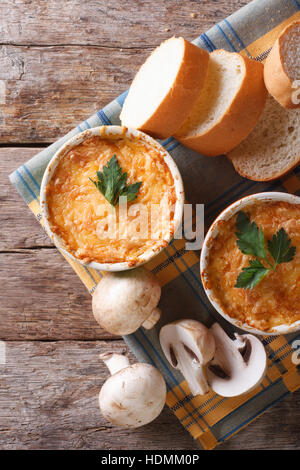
pixel 49 401
pixel 47 89
pixel 112 23
pixel 43 298
pixel 19 228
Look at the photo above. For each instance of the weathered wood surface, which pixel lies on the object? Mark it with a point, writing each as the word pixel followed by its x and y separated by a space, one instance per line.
pixel 19 228
pixel 49 400
pixel 48 90
pixel 113 23
pixel 44 299
pixel 62 61
pixel 59 62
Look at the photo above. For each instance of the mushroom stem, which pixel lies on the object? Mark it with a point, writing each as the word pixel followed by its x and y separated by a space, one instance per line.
pixel 114 362
pixel 189 346
pixel 152 319
pixel 194 374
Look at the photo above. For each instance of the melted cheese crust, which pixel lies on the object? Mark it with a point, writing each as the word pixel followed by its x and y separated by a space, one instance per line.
pixel 276 300
pixel 88 224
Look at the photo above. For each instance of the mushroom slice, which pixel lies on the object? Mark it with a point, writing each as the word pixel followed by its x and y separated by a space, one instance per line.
pixel 134 395
pixel 189 346
pixel 238 365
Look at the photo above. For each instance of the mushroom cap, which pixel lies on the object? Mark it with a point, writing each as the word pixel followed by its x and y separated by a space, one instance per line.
pixel 134 396
pixel 243 361
pixel 122 301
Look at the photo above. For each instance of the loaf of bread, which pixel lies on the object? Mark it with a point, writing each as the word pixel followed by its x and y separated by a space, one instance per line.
pixel 273 147
pixel 282 67
pixel 216 103
pixel 229 106
pixel 165 88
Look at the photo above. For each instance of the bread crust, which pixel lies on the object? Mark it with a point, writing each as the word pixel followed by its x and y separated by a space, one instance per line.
pixel 277 81
pixel 177 104
pixel 285 172
pixel 240 118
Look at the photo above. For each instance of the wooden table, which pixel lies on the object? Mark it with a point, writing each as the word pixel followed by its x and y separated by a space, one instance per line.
pixel 59 63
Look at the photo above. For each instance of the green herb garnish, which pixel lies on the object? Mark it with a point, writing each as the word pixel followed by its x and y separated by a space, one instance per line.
pixel 251 241
pixel 111 182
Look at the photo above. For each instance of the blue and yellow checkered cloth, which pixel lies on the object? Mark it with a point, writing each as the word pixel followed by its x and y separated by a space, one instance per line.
pixel 211 419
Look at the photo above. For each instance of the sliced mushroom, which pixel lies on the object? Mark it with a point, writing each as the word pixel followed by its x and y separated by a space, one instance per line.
pixel 134 395
pixel 238 365
pixel 124 301
pixel 189 346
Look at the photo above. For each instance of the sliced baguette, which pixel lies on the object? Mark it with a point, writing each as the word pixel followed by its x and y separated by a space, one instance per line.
pixel 165 88
pixel 273 147
pixel 282 67
pixel 229 106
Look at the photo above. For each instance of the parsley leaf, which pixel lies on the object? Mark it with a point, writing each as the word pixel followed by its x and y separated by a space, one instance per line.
pixel 111 182
pixel 251 275
pixel 280 248
pixel 131 191
pixel 251 241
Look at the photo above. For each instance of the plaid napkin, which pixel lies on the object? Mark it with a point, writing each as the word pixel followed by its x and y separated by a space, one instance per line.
pixel 210 419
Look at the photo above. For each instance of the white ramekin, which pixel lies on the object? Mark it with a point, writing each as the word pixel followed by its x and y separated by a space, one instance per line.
pixel 213 232
pixel 106 132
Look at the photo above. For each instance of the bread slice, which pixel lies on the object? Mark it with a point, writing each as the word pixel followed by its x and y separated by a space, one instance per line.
pixel 273 147
pixel 229 106
pixel 282 67
pixel 165 88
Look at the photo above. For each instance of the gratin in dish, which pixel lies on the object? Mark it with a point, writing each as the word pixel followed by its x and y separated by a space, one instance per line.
pixel 275 300
pixel 84 220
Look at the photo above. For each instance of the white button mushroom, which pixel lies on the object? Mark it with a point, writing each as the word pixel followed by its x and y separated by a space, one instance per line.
pixel 189 346
pixel 124 301
pixel 238 366
pixel 134 395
